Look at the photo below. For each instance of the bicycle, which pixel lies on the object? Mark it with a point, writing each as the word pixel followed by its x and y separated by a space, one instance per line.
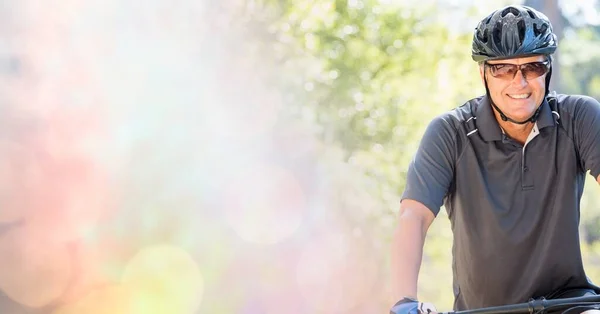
pixel 575 305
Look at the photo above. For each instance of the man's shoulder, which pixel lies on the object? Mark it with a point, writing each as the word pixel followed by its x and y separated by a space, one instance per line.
pixel 460 115
pixel 570 99
pixel 571 106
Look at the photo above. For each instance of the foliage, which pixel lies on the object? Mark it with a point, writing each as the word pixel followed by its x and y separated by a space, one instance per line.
pixel 369 76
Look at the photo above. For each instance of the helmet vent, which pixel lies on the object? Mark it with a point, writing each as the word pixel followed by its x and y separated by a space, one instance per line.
pixel 488 19
pixel 497 34
pixel 539 30
pixel 483 36
pixel 512 10
pixel 521 28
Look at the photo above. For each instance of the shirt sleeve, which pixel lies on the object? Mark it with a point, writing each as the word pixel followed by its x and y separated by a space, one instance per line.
pixel 431 171
pixel 587 134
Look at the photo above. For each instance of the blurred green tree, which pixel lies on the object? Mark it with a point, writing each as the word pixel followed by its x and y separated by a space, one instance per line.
pixel 369 76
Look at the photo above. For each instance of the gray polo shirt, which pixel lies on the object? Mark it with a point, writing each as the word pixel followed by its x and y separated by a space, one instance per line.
pixel 514 209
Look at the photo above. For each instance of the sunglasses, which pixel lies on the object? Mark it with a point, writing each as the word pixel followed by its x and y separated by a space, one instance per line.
pixel 507 71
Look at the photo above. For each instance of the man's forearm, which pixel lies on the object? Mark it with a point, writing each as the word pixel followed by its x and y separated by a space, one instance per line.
pixel 407 253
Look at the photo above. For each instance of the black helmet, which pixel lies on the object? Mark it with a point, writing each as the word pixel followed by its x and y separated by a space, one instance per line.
pixel 513 31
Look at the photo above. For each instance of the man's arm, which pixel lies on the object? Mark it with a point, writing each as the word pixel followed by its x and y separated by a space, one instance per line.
pixel 428 179
pixel 407 247
pixel 587 134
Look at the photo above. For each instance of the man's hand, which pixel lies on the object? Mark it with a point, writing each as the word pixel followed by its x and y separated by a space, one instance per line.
pixel 412 306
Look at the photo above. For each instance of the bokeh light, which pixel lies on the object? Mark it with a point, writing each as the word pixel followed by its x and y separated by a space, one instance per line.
pixel 336 273
pixel 164 279
pixel 264 203
pixel 218 157
pixel 113 299
pixel 34 269
pixel 161 279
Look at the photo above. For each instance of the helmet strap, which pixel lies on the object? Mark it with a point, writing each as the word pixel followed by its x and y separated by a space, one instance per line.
pixel 548 76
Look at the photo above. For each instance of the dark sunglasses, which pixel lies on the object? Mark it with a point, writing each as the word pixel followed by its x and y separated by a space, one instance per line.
pixel 507 71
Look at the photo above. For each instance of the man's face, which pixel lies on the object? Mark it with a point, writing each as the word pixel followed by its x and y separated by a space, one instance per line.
pixel 518 97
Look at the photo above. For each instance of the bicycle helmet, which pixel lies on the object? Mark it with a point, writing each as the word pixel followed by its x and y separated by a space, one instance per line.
pixel 513 31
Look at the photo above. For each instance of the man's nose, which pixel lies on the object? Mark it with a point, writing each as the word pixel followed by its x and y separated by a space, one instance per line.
pixel 519 79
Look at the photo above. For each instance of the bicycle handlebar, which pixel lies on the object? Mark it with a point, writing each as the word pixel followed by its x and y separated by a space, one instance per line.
pixel 534 306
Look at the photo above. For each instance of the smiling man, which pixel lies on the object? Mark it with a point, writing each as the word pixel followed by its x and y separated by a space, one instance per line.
pixel 517 99
pixel 509 167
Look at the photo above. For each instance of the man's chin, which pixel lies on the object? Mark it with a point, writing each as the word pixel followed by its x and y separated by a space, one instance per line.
pixel 520 114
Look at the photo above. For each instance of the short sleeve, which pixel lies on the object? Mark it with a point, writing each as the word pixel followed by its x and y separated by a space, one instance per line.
pixel 431 171
pixel 587 134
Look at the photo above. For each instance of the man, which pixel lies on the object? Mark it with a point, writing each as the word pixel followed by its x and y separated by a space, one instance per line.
pixel 509 167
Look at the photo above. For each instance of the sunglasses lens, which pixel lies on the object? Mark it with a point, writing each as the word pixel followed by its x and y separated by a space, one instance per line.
pixel 503 71
pixel 529 70
pixel 533 70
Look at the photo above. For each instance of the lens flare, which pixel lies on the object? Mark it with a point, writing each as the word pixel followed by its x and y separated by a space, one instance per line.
pixel 264 204
pixel 34 270
pixel 336 273
pixel 164 279
pixel 246 115
pixel 9 178
pixel 115 299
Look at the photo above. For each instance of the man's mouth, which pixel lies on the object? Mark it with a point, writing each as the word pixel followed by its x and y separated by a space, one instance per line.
pixel 519 96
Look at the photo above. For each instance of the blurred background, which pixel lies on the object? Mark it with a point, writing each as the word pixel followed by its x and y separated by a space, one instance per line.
pixel 234 156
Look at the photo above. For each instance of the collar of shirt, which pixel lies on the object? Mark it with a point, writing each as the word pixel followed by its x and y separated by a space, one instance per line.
pixel 490 129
